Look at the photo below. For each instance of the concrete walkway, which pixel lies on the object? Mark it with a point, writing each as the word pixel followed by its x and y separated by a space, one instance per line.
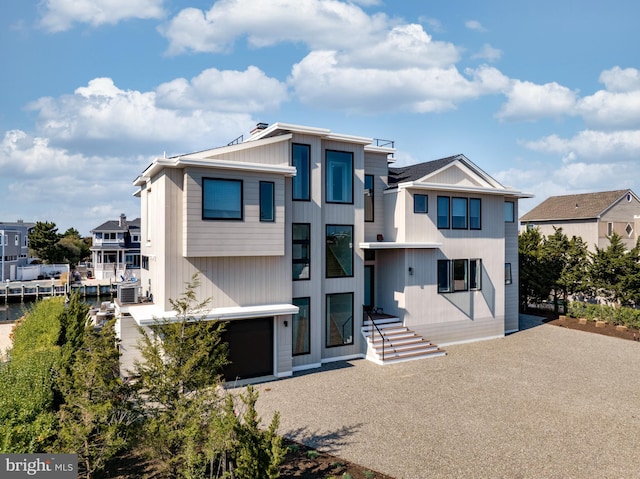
pixel 545 402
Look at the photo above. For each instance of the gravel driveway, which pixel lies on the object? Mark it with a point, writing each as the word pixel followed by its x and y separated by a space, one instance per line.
pixel 546 402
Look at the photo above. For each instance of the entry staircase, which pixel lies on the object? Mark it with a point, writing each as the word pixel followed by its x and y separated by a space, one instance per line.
pixel 389 341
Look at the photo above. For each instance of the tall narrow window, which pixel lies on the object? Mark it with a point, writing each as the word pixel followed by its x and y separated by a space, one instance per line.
pixel 443 212
pixel 339 176
pixel 475 274
pixel 300 327
pixel 369 286
pixel 301 159
pixel 475 219
pixel 460 282
pixel 420 204
pixel 301 251
pixel 459 213
pixel 339 251
pixel 339 319
pixel 221 199
pixel 444 276
pixel 368 197
pixel 267 201
pixel 507 273
pixel 509 212
pixel 609 229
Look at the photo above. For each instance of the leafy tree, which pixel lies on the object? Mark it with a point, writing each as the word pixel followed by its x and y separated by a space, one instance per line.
pixel 553 259
pixel 575 274
pixel 43 240
pixel 610 267
pixel 97 417
pixel 534 284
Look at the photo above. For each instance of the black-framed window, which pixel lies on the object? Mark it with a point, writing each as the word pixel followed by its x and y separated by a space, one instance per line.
pixel 475 213
pixel 509 212
pixel 475 274
pixel 459 213
pixel 453 275
pixel 301 251
pixel 339 251
pixel 368 198
pixel 301 159
pixel 144 262
pixel 267 201
pixel 222 199
pixel 301 327
pixel 507 274
pixel 369 255
pixel 339 319
pixel 339 176
pixel 443 212
pixel 420 203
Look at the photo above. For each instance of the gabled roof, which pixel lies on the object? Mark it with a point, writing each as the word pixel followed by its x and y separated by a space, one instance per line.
pixel 575 207
pixel 415 172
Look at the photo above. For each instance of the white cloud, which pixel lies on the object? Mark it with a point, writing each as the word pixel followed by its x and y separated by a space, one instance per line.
pixel 181 115
pixel 224 91
pixel 60 15
pixel 592 145
pixel 474 25
pixel 488 53
pixel 319 24
pixel 621 80
pixel 530 101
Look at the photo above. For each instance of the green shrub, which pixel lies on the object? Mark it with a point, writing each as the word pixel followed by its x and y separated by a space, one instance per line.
pixel 313 454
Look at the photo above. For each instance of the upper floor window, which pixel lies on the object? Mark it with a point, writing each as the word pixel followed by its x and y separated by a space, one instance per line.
pixel 221 199
pixel 368 197
pixel 420 204
pixel 459 213
pixel 267 201
pixel 475 218
pixel 135 238
pixel 443 212
pixel 301 250
pixel 509 212
pixel 339 176
pixel 339 252
pixel 301 159
pixel 507 274
pixel 16 239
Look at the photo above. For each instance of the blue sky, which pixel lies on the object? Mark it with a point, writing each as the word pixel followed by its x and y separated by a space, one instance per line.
pixel 544 96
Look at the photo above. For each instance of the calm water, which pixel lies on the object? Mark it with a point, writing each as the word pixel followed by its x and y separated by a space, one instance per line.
pixel 11 311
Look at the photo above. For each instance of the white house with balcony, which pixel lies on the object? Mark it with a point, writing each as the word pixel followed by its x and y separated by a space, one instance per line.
pixel 314 248
pixel 115 251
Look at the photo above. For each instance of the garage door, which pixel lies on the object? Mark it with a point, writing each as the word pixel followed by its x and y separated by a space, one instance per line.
pixel 250 348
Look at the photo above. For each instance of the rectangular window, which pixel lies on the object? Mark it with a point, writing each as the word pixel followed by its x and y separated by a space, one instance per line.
pixel 609 229
pixel 443 212
pixel 301 159
pixel 475 274
pixel 339 320
pixel 460 275
pixel 475 218
pixel 339 176
pixel 420 204
pixel 16 240
pixel 509 212
pixel 444 276
pixel 300 327
pixel 221 199
pixel 132 260
pixel 145 262
pixel 459 213
pixel 267 201
pixel 368 197
pixel 339 251
pixel 507 273
pixel 301 251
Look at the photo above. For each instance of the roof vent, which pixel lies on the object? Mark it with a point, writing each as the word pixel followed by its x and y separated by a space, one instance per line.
pixel 259 127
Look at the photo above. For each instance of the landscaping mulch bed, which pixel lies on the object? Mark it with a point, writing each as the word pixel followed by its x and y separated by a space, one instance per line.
pixel 607 329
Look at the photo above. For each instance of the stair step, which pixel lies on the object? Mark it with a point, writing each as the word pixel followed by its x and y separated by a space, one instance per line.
pixel 418 355
pixel 417 346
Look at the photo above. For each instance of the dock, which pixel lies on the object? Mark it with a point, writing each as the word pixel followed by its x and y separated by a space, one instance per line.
pixel 29 290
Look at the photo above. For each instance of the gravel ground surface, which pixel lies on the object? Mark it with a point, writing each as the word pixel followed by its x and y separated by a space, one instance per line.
pixel 546 402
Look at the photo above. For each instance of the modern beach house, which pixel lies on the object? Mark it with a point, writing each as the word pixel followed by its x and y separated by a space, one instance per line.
pixel 315 249
pixel 115 250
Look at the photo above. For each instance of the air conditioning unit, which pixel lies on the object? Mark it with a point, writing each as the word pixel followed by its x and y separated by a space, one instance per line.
pixel 128 294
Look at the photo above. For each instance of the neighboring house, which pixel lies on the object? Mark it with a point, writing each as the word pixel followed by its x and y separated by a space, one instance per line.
pixel 297 228
pixel 14 248
pixel 592 216
pixel 115 252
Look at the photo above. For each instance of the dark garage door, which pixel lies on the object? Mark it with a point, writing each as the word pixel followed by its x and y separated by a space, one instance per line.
pixel 250 348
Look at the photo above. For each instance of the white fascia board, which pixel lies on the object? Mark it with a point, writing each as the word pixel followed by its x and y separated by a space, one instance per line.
pixel 137 193
pixel 463 189
pixel 305 130
pixel 399 245
pixel 237 147
pixel 147 315
pixel 360 140
pixel 239 166
pixel 379 149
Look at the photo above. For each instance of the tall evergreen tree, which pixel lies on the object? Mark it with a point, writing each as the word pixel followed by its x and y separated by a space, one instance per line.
pixel 534 286
pixel 43 240
pixel 610 269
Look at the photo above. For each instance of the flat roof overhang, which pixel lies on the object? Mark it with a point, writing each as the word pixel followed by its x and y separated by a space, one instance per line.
pixel 399 245
pixel 147 314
